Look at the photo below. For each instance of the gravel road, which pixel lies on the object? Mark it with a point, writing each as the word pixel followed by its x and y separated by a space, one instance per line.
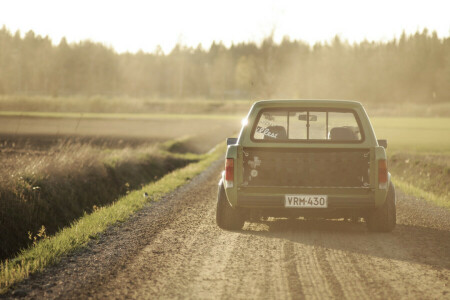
pixel 173 249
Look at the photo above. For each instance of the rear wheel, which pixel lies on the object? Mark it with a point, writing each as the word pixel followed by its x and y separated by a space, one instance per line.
pixel 385 217
pixel 227 217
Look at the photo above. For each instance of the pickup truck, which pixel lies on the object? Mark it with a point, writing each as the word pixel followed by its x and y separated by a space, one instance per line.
pixel 310 159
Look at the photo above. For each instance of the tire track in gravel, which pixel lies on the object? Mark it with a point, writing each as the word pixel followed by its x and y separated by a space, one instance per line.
pixel 315 284
pixel 274 279
pixel 314 281
pixel 256 269
pixel 244 273
pixel 377 287
pixel 293 279
pixel 333 282
pixel 347 284
pixel 211 268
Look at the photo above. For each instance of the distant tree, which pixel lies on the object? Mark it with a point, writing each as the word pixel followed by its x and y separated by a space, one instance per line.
pixel 246 73
pixel 412 68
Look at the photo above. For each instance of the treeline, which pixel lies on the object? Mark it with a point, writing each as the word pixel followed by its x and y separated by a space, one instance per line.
pixel 414 68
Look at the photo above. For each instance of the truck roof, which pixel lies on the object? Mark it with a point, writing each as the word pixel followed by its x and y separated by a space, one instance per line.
pixel 307 103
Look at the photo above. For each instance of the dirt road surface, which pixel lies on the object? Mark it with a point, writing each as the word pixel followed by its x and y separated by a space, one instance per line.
pixel 173 249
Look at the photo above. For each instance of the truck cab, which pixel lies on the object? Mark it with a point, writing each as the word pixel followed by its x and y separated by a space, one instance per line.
pixel 306 158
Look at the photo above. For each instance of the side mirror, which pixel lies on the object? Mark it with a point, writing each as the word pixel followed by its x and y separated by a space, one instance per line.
pixel 231 141
pixel 382 143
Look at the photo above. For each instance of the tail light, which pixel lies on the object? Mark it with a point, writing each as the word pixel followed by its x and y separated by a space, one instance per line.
pixel 229 169
pixel 382 174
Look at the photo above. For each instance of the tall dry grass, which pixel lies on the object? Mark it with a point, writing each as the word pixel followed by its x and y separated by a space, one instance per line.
pixel 53 187
pixel 430 173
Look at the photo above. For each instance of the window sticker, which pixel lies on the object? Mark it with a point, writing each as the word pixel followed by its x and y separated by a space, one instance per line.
pixel 266 132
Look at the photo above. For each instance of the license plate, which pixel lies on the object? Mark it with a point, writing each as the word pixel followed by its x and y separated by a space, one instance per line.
pixel 300 201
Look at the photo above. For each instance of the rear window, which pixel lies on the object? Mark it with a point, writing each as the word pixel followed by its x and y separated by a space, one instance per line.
pixel 315 125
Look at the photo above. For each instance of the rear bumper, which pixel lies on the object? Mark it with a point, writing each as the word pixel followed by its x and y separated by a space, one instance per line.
pixel 334 202
pixel 338 205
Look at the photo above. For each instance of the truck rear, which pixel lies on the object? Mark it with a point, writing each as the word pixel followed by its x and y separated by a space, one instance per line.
pixel 306 158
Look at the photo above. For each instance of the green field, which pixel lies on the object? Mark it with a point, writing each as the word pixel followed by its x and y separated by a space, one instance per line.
pixel 404 134
pixel 414 135
pixel 119 116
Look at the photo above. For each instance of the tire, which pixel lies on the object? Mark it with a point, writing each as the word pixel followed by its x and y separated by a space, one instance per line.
pixel 385 217
pixel 227 217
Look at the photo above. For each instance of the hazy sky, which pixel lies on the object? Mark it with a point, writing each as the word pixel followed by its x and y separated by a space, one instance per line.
pixel 132 25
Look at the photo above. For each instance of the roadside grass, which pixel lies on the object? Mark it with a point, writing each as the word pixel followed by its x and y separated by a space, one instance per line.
pixel 413 190
pixel 48 251
pixel 54 185
pixel 422 175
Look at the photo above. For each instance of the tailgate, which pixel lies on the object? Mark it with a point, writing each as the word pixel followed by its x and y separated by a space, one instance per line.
pixel 306 168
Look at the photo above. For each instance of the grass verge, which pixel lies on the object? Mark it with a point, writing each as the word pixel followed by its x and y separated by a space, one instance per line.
pixel 50 250
pixel 47 190
pixel 413 190
pixel 422 175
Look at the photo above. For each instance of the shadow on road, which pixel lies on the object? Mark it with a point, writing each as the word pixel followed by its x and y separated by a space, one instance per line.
pixel 414 244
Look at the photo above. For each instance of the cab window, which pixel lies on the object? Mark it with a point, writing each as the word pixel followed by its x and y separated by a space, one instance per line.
pixel 307 125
